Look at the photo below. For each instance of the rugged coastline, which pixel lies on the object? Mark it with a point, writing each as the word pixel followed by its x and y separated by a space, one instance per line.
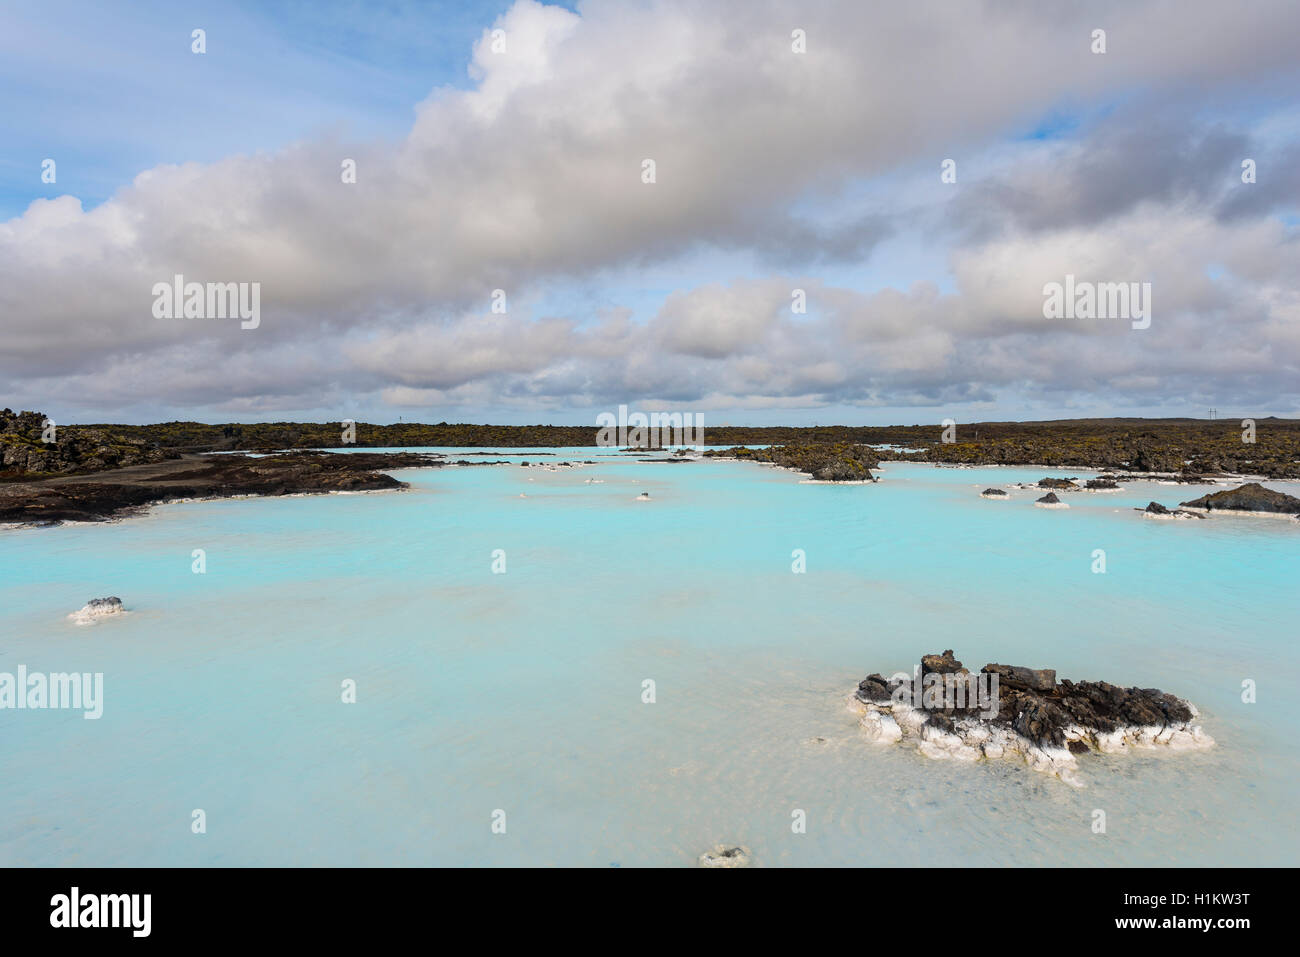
pixel 91 473
pixel 122 492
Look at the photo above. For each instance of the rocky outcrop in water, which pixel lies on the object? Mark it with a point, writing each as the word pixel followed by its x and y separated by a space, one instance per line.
pixel 97 608
pixel 993 493
pixel 837 462
pixel 1014 711
pixel 1251 497
pixel 1050 501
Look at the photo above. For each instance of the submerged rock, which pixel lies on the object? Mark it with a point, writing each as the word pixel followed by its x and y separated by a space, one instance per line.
pixel 97 608
pixel 723 855
pixel 1014 711
pixel 1251 497
pixel 1156 510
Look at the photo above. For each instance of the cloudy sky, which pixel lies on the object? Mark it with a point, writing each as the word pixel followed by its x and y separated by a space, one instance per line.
pixel 514 161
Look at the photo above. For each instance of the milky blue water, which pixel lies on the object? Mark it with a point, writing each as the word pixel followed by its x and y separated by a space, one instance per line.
pixel 522 692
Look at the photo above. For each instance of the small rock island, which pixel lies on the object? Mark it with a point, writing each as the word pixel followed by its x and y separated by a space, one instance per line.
pixel 1002 711
pixel 98 608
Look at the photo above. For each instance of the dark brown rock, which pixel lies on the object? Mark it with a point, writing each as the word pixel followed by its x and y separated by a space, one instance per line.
pixel 873 688
pixel 1028 679
pixel 944 664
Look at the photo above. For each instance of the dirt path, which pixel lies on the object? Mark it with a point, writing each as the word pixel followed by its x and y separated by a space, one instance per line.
pixel 132 474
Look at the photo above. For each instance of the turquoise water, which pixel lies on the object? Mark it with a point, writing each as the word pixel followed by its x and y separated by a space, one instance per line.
pixel 522 691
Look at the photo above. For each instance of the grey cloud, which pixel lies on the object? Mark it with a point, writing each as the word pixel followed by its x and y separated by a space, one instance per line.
pixel 1126 162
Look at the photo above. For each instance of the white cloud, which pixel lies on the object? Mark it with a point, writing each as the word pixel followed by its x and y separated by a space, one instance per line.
pixel 533 176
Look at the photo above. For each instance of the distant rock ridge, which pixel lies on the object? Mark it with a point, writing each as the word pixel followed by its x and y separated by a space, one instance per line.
pixel 1178 449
